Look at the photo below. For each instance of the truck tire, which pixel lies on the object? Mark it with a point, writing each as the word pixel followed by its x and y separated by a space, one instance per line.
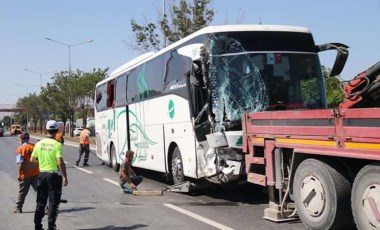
pixel 114 164
pixel 177 167
pixel 365 199
pixel 322 196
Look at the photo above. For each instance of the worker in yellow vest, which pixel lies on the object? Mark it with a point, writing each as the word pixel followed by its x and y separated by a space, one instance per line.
pixel 84 146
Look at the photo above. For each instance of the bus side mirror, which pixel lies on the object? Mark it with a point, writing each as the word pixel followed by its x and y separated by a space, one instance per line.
pixel 341 57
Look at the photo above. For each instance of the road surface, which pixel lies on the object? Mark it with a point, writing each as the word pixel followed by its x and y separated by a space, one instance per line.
pixel 96 202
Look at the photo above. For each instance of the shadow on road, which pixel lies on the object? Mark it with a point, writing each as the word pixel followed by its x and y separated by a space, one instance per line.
pixel 245 193
pixel 137 226
pixel 75 209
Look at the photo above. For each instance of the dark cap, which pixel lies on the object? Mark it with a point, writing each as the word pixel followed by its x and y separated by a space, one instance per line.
pixel 24 136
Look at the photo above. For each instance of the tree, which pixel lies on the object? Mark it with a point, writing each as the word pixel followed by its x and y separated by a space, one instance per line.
pixel 70 92
pixel 87 83
pixel 184 19
pixel 6 120
pixel 334 93
pixel 34 108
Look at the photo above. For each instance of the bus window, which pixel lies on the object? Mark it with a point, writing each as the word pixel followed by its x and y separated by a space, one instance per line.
pixel 152 76
pixel 177 66
pixel 111 94
pixel 132 88
pixel 101 97
pixel 121 91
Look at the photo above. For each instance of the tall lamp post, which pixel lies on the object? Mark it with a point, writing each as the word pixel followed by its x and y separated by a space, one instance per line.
pixel 40 74
pixel 25 87
pixel 69 46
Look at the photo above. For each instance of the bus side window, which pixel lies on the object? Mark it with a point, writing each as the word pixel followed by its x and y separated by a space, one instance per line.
pixel 101 97
pixel 121 91
pixel 111 94
pixel 176 67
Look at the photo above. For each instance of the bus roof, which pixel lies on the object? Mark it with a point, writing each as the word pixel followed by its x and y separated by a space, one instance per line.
pixel 207 30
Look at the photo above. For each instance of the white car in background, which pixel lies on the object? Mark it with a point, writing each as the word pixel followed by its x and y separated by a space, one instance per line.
pixel 78 129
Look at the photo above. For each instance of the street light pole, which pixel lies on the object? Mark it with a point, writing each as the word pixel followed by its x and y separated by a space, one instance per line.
pixel 40 74
pixel 69 46
pixel 27 88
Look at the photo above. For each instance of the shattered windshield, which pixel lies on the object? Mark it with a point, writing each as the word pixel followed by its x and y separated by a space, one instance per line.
pixel 247 81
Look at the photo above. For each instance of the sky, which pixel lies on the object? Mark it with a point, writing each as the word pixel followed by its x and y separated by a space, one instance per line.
pixel 25 24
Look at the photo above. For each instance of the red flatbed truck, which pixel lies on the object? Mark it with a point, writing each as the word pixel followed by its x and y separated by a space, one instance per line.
pixel 323 165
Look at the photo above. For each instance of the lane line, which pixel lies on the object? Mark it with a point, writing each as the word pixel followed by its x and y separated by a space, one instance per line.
pixel 111 181
pixel 84 170
pixel 176 208
pixel 14 140
pixel 198 217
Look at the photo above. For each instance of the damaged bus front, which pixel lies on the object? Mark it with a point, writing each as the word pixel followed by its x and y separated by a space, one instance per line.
pixel 238 71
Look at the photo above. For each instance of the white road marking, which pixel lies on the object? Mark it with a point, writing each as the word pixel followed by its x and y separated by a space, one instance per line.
pixel 14 140
pixel 198 217
pixel 111 181
pixel 178 209
pixel 84 170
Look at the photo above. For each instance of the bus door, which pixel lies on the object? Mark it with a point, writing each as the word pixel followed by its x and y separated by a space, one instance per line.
pixel 120 113
pixel 112 122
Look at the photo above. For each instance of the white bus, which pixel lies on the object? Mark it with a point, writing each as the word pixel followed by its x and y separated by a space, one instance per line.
pixel 179 109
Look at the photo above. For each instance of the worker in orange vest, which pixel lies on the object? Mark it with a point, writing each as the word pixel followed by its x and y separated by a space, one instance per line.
pixel 27 172
pixel 59 137
pixel 84 146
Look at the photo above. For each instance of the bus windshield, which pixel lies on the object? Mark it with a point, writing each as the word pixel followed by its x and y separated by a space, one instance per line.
pixel 244 80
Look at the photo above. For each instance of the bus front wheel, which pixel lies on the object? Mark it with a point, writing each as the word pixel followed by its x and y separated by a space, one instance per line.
pixel 177 167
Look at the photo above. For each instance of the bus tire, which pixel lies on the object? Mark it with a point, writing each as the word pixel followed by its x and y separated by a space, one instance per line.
pixel 114 164
pixel 365 197
pixel 177 167
pixel 322 196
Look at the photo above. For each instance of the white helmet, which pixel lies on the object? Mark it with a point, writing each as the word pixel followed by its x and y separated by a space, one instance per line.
pixel 52 125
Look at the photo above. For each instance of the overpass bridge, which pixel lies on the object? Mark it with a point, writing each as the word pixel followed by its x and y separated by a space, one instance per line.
pixel 10 108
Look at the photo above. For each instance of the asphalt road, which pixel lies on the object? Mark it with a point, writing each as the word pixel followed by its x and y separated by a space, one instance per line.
pixel 96 202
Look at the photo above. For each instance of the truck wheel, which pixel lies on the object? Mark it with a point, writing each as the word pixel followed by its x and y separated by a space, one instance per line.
pixel 177 167
pixel 322 196
pixel 114 164
pixel 365 198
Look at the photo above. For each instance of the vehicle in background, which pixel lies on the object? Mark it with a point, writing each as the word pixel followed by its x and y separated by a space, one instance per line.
pixel 78 129
pixel 15 129
pixel 1 129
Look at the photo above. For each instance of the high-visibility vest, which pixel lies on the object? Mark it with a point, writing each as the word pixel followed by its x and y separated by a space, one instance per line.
pixel 59 137
pixel 30 168
pixel 84 137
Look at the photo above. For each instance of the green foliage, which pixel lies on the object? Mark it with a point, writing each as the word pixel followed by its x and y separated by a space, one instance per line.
pixel 184 19
pixel 34 108
pixel 334 94
pixel 310 89
pixel 6 120
pixel 67 94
